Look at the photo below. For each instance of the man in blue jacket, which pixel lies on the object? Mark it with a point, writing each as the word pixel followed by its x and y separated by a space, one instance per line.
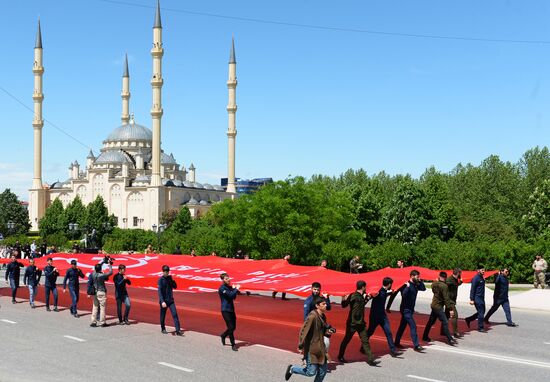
pixel 166 285
pixel 72 277
pixel 477 298
pixel 309 304
pixel 50 277
pixel 378 317
pixel 13 272
pixel 409 291
pixel 500 297
pixel 228 293
pixel 121 294
pixel 31 279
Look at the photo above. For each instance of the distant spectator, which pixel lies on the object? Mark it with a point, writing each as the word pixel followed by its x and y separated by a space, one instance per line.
pixel 283 295
pixel 149 249
pixel 354 265
pixel 323 263
pixel 193 253
pixel 239 255
pixel 540 266
pixel 177 251
pixel 400 264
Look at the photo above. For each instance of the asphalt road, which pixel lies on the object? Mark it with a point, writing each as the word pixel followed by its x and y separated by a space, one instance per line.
pixel 48 346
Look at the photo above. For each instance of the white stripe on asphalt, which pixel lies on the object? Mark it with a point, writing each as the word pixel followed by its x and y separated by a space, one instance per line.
pixel 75 338
pixel 8 321
pixel 495 357
pixel 424 378
pixel 175 367
pixel 547 343
pixel 272 348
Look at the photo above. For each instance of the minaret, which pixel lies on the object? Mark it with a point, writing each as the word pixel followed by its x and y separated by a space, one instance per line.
pixel 38 122
pixel 37 199
pixel 125 93
pixel 156 82
pixel 231 111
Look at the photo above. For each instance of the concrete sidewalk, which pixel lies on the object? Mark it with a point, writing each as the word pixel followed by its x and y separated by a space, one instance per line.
pixel 527 298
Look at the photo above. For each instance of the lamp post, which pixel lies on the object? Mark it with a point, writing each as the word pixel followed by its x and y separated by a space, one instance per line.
pixel 73 227
pixel 159 230
pixel 444 231
pixel 11 227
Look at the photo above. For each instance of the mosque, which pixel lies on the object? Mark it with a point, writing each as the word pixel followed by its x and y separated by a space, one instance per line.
pixel 135 178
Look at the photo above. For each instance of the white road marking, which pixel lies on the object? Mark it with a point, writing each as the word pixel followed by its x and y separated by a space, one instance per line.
pixel 424 378
pixel 547 343
pixel 8 321
pixel 495 357
pixel 175 367
pixel 272 348
pixel 75 338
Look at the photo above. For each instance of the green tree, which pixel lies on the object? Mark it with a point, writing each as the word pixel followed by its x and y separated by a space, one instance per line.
pixel 98 218
pixel 11 210
pixel 537 219
pixel 182 222
pixel 75 212
pixel 168 217
pixel 52 221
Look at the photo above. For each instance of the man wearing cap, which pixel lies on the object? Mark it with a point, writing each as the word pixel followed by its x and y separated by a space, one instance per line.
pixel 440 300
pixel 540 266
pixel 31 279
pixel 166 285
pixel 228 293
pixel 477 298
pixel 50 280
pixel 72 275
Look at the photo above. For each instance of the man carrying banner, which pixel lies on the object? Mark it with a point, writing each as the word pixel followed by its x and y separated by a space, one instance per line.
pixel 500 298
pixel 12 274
pixel 409 291
pixel 356 322
pixel 50 280
pixel 378 317
pixel 453 282
pixel 121 294
pixel 72 277
pixel 477 298
pixel 31 279
pixel 228 293
pixel 166 286
pixel 439 301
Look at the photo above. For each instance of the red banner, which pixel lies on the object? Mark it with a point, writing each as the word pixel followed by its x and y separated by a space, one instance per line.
pixel 202 274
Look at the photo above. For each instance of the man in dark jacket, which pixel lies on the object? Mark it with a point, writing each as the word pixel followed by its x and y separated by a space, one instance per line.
pixel 228 293
pixel 72 277
pixel 440 300
pixel 356 322
pixel 500 297
pixel 13 272
pixel 409 291
pixel 121 294
pixel 477 298
pixel 309 304
pixel 50 280
pixel 100 297
pixel 453 282
pixel 166 285
pixel 31 279
pixel 378 317
pixel 312 344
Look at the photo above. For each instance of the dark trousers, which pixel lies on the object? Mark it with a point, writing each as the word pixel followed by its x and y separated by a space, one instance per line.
pixel 47 290
pixel 437 314
pixel 505 306
pixel 362 332
pixel 74 292
pixel 407 319
pixel 453 321
pixel 231 322
pixel 126 301
pixel 173 311
pixel 14 285
pixel 385 324
pixel 479 314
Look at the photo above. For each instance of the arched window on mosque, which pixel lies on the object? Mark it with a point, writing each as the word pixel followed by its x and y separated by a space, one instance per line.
pixel 98 185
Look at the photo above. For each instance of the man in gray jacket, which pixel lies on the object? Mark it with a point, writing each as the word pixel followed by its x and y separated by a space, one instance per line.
pixel 100 298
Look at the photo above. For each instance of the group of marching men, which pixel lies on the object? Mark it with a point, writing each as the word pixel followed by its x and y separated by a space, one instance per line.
pixel 314 339
pixel 315 333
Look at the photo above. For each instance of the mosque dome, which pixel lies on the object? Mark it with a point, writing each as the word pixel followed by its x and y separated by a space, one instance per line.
pixel 112 156
pixel 130 132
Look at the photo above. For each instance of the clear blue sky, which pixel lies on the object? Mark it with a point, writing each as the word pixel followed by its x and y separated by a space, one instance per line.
pixel 311 100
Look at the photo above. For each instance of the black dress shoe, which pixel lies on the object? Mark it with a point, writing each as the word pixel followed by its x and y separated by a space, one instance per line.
pixel 179 333
pixel 104 325
pixel 418 348
pixel 458 335
pixel 373 363
pixel 163 331
pixel 426 339
pixel 482 330
pixel 48 309
pixel 126 322
pixel 55 309
pixel 451 342
pixel 395 353
pixel 223 340
pixel 512 324
pixel 342 359
pixel 93 325
pixel 288 373
pixel 234 348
